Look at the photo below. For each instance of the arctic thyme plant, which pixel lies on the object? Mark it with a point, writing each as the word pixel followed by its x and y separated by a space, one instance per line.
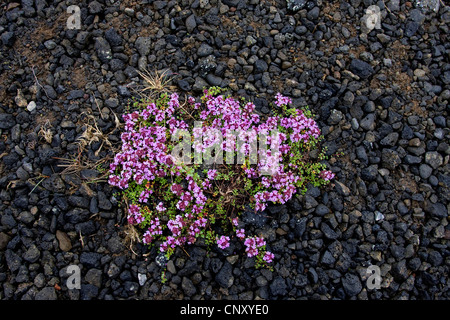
pixel 176 196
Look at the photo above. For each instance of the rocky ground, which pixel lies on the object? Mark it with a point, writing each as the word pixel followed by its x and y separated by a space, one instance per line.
pixel 380 98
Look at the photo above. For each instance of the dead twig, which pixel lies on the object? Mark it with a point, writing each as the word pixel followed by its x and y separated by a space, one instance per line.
pixel 37 83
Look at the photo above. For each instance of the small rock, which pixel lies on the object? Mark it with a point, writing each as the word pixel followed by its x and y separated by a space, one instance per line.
pixel 352 285
pixel 47 293
pixel 191 24
pixel 31 106
pixel 204 50
pixel 434 159
pixel 278 287
pixel 368 122
pixel 64 241
pixel 7 121
pixel 295 5
pixel 103 49
pixel 225 276
pixel 342 189
pixel 361 69
pixel 142 278
pixel 32 254
pixel 425 171
pixel 188 287
pixel 20 100
pixel 4 239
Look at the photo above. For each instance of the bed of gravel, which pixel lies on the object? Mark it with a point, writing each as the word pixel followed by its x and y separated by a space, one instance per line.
pixel 380 98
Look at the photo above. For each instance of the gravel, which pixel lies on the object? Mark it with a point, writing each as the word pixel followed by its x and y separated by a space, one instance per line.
pixel 381 99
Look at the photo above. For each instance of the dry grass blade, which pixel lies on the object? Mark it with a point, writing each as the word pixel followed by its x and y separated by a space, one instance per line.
pixel 45 132
pixel 131 237
pixel 157 82
pixel 94 134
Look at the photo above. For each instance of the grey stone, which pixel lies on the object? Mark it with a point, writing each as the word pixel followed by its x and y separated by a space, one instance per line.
pixel 361 69
pixel 32 254
pixel 260 66
pixel 390 159
pixel 113 37
pixel 425 171
pixel 328 232
pixel 278 287
pixel 94 277
pixel 352 285
pixel 295 5
pixel 434 159
pixel 13 261
pixel 90 259
pixel 390 139
pixel 4 239
pixel 7 121
pixel 436 209
pixel 142 45
pixel 188 287
pixel 191 24
pixel 204 50
pixel 368 122
pixel 225 276
pixel 47 293
pixel 103 49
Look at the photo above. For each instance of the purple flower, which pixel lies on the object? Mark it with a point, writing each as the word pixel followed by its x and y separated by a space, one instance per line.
pixel 223 242
pixel 212 174
pixel 268 257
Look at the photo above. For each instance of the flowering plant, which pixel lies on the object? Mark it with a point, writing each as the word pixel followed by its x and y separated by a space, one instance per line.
pixel 177 199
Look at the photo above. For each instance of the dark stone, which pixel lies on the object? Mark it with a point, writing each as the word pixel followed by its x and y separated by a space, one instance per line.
pixel 8 38
pixel 370 173
pixel 328 232
pixel 47 293
pixel 13 261
pixel 184 85
pixel 225 276
pixel 113 37
pixel 390 159
pixel 437 209
pixel 295 5
pixel 278 287
pixel 361 69
pixel 90 259
pixel 411 28
pixel 260 66
pixel 204 50
pixel 352 285
pixel 322 210
pixel 188 287
pixel 435 258
pixel 88 292
pixel 7 121
pixel 103 49
pixel 191 24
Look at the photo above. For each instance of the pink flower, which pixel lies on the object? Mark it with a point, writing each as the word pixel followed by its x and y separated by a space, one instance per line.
pixel 240 233
pixel 223 242
pixel 160 207
pixel 268 257
pixel 212 174
pixel 326 175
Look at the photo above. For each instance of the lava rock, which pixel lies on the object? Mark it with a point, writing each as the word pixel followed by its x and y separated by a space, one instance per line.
pixel 352 285
pixel 103 49
pixel 361 69
pixel 225 276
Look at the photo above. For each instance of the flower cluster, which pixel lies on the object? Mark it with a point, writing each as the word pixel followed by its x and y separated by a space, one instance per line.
pixel 177 203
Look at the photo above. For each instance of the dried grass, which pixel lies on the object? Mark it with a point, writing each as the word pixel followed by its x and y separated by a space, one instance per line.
pixel 156 83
